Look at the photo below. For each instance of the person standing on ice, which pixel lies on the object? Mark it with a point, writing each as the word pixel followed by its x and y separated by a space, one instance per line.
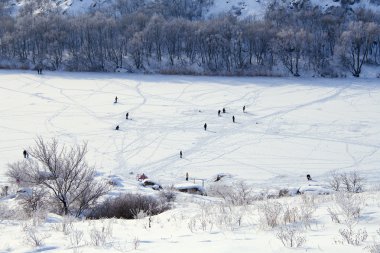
pixel 244 109
pixel 180 154
pixel 219 113
pixel 25 153
pixel 233 119
pixel 117 127
pixel 187 176
pixel 127 115
pixel 115 100
pixel 205 126
pixel 39 69
pixel 224 110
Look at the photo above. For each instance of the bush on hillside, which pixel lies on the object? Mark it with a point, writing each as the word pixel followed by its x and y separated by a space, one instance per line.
pixel 129 206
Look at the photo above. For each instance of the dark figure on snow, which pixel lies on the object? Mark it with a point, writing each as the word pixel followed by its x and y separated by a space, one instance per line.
pixel 224 110
pixel 205 126
pixel 187 176
pixel 127 115
pixel 142 177
pixel 117 127
pixel 233 119
pixel 308 177
pixel 25 153
pixel 244 109
pixel 115 100
pixel 180 154
pixel 219 113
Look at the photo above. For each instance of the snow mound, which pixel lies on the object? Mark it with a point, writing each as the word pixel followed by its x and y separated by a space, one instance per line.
pixel 190 188
pixel 314 187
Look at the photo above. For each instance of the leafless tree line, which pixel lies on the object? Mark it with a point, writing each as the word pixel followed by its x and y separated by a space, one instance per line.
pixel 172 37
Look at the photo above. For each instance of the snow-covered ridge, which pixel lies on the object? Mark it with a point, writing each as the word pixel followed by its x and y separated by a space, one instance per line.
pixel 242 8
pixel 66 6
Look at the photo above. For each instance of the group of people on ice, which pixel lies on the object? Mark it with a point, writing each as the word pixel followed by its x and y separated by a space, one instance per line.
pixel 126 115
pixel 219 115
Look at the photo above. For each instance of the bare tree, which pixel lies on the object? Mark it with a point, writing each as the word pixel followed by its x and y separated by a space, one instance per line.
pixel 64 173
pixel 355 44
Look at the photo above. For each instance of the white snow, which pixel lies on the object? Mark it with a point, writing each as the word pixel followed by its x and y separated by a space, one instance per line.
pixel 253 8
pixel 292 127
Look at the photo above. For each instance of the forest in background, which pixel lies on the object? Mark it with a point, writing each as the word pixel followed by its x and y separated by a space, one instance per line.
pixel 174 37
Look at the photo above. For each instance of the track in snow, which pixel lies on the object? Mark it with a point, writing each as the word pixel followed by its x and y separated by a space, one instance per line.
pixel 292 127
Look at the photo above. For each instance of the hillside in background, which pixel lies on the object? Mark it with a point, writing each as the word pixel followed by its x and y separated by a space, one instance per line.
pixel 243 8
pixel 198 37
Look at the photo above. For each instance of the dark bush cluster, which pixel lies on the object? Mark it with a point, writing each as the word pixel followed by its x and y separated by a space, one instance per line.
pixel 129 206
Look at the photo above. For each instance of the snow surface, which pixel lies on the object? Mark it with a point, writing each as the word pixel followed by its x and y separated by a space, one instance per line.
pixel 292 127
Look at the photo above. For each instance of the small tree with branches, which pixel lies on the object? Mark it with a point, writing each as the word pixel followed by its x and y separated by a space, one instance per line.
pixel 63 172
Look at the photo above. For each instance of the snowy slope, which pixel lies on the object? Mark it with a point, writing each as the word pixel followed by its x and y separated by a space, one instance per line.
pixel 67 6
pixel 242 8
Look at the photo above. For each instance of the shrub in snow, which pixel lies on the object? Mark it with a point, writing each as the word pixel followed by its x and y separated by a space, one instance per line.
pixel 136 243
pixel 237 194
pixel 218 215
pixel 349 182
pixel 291 236
pixel 352 236
pixel 375 246
pixel 35 238
pixel 76 238
pixel 302 213
pixel 34 201
pixel 67 178
pixel 169 194
pixel 4 191
pixel 127 206
pixel 100 236
pixel 270 213
pixel 204 221
pixel 273 213
pixel 5 213
pixel 66 225
pixel 348 207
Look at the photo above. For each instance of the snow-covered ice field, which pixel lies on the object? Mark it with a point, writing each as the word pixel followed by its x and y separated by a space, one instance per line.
pixel 292 127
